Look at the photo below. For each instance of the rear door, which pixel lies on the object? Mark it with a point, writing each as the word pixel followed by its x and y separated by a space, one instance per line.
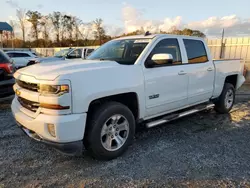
pixel 166 85
pixel 200 71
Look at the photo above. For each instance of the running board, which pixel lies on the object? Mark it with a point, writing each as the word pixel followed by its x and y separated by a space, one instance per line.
pixel 172 117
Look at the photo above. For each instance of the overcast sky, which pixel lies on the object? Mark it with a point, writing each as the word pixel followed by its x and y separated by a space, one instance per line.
pixel 126 16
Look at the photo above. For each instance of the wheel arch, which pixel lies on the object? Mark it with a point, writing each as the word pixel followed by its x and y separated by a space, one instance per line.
pixel 129 99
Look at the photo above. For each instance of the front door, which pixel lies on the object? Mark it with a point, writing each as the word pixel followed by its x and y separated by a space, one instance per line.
pixel 166 86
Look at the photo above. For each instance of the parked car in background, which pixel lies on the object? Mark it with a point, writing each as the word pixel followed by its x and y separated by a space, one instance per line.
pixel 64 54
pixel 6 75
pixel 137 80
pixel 21 58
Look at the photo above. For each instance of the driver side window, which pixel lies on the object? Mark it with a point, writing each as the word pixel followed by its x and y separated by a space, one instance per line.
pixel 76 53
pixel 168 46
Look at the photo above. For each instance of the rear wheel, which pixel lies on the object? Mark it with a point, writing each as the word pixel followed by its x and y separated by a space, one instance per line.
pixel 226 100
pixel 110 131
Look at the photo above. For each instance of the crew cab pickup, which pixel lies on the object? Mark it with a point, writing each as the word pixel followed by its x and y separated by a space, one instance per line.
pixel 143 80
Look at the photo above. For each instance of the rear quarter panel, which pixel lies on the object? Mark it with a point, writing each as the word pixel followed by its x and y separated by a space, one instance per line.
pixel 226 68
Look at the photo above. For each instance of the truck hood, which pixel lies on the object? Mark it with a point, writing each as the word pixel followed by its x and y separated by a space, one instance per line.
pixel 50 71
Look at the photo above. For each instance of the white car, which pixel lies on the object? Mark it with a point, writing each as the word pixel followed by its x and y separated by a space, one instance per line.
pixel 21 58
pixel 98 102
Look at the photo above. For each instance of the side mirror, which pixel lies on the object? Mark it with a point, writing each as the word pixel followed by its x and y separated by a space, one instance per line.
pixel 160 59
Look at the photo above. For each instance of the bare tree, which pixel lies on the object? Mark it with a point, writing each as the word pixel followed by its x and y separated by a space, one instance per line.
pixel 56 19
pixel 84 31
pixel 13 25
pixel 34 17
pixel 45 29
pixel 99 32
pixel 77 24
pixel 21 15
pixel 68 23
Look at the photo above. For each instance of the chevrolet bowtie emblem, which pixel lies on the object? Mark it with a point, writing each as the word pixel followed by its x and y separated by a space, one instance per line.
pixel 18 93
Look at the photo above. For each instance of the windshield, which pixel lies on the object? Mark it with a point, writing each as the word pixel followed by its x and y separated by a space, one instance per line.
pixel 62 53
pixel 122 51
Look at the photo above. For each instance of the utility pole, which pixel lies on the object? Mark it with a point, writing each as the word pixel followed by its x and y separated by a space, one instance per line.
pixel 222 43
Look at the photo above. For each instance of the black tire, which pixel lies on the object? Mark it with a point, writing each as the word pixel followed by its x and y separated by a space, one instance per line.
pixel 220 104
pixel 99 117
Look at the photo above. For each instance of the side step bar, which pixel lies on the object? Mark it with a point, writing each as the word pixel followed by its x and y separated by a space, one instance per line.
pixel 172 117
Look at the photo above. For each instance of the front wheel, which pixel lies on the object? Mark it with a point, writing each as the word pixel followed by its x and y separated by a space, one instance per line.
pixel 226 100
pixel 110 131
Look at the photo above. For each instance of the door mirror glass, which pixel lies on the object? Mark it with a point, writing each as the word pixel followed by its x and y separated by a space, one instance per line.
pixel 160 59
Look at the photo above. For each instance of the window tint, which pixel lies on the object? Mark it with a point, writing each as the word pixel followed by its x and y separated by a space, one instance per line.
pixel 76 53
pixel 10 54
pixel 88 52
pixel 22 55
pixel 168 46
pixel 17 54
pixel 196 51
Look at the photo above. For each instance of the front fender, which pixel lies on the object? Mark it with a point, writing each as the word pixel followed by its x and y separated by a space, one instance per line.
pixel 96 84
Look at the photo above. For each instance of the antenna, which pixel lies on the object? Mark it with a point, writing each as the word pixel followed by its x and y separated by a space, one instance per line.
pixel 147 33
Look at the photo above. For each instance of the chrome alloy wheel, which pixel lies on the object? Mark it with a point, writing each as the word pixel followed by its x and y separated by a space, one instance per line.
pixel 114 132
pixel 229 99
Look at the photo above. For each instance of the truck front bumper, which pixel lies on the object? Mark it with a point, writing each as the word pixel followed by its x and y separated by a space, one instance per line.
pixel 69 129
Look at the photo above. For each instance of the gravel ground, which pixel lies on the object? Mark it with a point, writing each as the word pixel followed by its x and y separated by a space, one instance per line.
pixel 203 150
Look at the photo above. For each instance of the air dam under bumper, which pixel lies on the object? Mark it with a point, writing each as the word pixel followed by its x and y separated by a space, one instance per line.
pixel 69 129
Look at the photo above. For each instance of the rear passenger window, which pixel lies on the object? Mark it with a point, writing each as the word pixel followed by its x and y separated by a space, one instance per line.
pixel 10 54
pixel 17 54
pixel 196 51
pixel 22 55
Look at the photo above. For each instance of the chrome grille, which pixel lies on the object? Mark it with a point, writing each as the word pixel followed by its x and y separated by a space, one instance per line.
pixel 27 85
pixel 30 105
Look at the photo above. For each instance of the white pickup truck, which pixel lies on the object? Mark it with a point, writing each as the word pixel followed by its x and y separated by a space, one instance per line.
pixel 65 54
pixel 138 80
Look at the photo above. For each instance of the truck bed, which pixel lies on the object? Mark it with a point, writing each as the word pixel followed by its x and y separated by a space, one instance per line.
pixel 225 68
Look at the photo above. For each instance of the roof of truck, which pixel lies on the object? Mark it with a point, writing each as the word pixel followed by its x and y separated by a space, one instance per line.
pixel 151 36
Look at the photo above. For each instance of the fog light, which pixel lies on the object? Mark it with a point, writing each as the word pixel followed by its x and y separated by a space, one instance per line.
pixel 51 129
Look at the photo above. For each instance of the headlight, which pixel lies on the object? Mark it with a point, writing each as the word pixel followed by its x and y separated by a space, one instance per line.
pixel 53 89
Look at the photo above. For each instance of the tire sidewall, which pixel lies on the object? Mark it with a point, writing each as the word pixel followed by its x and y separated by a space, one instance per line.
pixel 230 88
pixel 100 118
pixel 222 99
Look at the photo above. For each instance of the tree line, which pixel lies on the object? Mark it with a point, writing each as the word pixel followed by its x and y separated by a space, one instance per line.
pixel 58 29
